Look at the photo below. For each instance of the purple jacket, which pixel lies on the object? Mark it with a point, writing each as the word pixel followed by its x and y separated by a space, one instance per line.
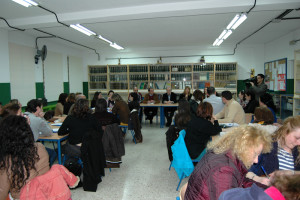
pixel 214 174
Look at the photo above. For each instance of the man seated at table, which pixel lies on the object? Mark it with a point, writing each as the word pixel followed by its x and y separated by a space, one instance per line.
pixel 169 98
pixel 232 111
pixel 150 98
pixel 38 124
pixel 215 101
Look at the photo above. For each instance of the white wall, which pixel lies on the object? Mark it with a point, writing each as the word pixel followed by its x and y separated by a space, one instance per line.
pixel 4 57
pixel 280 48
pixel 25 71
pixel 247 57
pixel 75 71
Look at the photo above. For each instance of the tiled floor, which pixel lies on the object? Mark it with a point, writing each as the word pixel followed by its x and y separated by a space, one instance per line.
pixel 143 174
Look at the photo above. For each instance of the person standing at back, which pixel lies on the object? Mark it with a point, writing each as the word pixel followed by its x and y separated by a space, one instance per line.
pixel 260 88
pixel 215 101
pixel 232 111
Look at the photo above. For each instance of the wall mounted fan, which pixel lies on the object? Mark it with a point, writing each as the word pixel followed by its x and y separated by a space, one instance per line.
pixel 41 53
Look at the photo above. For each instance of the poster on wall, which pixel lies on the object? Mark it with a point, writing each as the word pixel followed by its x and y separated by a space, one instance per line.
pixel 281 84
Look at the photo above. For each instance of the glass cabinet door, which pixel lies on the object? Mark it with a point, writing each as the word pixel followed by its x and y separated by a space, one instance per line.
pixel 203 75
pixel 118 77
pixel 138 76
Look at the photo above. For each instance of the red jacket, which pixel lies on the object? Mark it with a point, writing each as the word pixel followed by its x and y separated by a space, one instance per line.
pixel 51 185
pixel 214 174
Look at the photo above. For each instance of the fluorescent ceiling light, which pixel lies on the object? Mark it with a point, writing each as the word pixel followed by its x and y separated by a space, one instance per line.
pixel 242 18
pixel 233 21
pixel 26 3
pixel 104 39
pixel 215 42
pixel 227 34
pixel 222 34
pixel 114 45
pixel 220 42
pixel 82 29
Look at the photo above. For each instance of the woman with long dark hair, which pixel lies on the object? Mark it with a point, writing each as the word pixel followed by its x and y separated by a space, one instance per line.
pixel 21 159
pixel 77 124
pixel 59 109
pixel 97 95
pixel 267 101
pixel 70 101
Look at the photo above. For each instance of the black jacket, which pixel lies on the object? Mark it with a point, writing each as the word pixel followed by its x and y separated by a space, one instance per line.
pixel 250 107
pixel 92 155
pixel 113 141
pixel 172 98
pixel 198 133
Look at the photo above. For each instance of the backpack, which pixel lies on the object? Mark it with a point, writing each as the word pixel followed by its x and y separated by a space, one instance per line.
pixel 72 164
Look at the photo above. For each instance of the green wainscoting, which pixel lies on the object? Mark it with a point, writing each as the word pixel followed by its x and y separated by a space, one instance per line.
pixel 66 87
pixel 39 90
pixel 85 86
pixel 5 94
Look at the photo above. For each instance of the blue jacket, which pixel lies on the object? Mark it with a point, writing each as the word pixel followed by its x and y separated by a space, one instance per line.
pixel 270 161
pixel 182 161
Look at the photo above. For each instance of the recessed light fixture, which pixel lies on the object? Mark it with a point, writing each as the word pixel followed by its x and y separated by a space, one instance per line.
pixel 26 3
pixel 235 22
pixel 82 29
pixel 116 46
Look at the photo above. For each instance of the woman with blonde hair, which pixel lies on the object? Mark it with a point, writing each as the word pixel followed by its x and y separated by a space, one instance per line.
pixel 226 162
pixel 186 94
pixel 284 155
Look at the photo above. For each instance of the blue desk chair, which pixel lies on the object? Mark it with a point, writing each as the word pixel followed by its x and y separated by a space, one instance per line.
pixel 182 162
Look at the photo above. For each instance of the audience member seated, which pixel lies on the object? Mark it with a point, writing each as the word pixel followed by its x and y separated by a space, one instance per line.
pixel 263 118
pixel 77 125
pixel 101 114
pixel 38 124
pixel 134 121
pixel 252 103
pixel 186 95
pixel 21 159
pixel 200 129
pixel 182 118
pixel 214 100
pixel 16 101
pixel 196 99
pixel 169 98
pixel 242 99
pixel 232 111
pixel 120 108
pixel 283 187
pixel 136 90
pixel 97 95
pixel 70 101
pixel 225 164
pixel 285 152
pixel 267 100
pixel 110 102
pixel 10 109
pixel 150 98
pixel 51 185
pixel 59 109
pixel 77 97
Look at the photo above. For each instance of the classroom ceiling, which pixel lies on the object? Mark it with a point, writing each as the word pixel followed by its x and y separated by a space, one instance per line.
pixel 153 25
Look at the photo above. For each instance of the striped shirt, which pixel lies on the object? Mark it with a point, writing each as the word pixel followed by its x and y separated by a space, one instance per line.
pixel 285 159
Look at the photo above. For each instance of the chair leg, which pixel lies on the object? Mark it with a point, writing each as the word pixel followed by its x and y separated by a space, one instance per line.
pixel 170 166
pixel 109 169
pixel 132 133
pixel 64 159
pixel 179 182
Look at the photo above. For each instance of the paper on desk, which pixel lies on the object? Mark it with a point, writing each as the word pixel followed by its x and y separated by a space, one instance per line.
pixel 56 124
pixel 55 130
pixel 229 124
